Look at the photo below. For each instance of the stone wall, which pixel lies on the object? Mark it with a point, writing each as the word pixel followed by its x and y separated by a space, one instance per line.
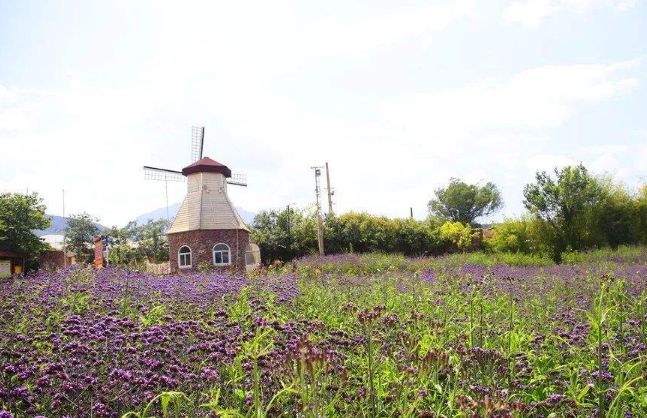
pixel 201 243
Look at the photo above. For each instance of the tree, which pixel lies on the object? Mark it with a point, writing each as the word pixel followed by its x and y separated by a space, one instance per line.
pixel 561 204
pixel 614 220
pixel 151 240
pixel 80 233
pixel 640 222
pixel 20 215
pixel 134 243
pixel 462 202
pixel 284 234
pixel 122 251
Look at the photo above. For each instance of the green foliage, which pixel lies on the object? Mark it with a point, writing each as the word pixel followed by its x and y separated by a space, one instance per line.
pixel 561 203
pixel 150 240
pixel 462 202
pixel 165 399
pixel 640 214
pixel 515 236
pixel 457 234
pixel 612 221
pixel 362 232
pixel 489 259
pixel 284 235
pixel 133 244
pixel 122 249
pixel 20 215
pixel 574 211
pixel 623 253
pixel 80 233
pixel 570 211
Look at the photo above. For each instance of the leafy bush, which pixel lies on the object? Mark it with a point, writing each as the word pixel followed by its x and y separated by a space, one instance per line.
pixel 289 233
pixel 459 235
pixel 514 236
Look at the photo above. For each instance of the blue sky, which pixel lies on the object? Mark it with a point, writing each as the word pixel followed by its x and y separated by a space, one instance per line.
pixel 397 96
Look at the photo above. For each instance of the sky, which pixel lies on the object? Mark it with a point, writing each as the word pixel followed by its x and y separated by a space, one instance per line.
pixel 397 96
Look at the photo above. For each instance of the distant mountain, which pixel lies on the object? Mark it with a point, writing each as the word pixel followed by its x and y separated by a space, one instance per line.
pixel 248 217
pixel 58 226
pixel 158 214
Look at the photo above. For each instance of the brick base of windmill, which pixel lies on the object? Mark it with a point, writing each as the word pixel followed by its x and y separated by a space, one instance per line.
pixel 202 243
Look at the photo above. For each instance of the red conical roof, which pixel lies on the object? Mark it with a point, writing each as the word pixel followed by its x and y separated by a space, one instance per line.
pixel 207 165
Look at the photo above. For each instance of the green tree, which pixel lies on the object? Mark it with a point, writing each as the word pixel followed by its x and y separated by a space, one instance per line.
pixel 134 243
pixel 284 234
pixel 122 251
pixel 561 203
pixel 640 221
pixel 80 233
pixel 150 240
pixel 462 202
pixel 614 220
pixel 20 215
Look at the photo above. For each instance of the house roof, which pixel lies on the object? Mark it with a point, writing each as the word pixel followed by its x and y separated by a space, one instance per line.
pixel 207 165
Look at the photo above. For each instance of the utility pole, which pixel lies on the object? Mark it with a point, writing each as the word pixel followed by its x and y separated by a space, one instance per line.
pixel 411 211
pixel 64 232
pixel 320 240
pixel 330 190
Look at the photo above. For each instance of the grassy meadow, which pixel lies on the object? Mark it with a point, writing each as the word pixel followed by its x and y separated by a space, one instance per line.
pixel 374 335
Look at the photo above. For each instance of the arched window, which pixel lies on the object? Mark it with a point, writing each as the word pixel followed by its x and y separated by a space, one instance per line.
pixel 221 255
pixel 184 257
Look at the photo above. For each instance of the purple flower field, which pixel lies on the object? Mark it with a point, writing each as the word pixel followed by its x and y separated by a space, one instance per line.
pixel 339 336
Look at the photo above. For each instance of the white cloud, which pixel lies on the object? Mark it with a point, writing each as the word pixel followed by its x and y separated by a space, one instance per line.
pixel 534 99
pixel 547 162
pixel 501 129
pixel 533 12
pixel 392 27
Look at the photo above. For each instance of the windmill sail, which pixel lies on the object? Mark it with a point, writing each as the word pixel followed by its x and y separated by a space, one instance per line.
pixel 162 174
pixel 197 143
pixel 238 179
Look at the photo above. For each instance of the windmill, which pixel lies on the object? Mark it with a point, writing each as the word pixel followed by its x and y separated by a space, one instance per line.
pixel 197 146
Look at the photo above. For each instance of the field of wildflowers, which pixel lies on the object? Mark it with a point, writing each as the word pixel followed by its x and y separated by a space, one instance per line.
pixel 348 335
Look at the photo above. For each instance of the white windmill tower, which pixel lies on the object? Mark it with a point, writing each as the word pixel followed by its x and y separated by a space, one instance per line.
pixel 207 228
pixel 197 147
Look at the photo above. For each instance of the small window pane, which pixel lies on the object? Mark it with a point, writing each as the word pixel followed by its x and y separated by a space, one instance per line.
pixel 185 260
pixel 184 256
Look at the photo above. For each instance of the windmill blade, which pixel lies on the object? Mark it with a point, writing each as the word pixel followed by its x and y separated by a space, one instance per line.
pixel 197 143
pixel 238 179
pixel 162 174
